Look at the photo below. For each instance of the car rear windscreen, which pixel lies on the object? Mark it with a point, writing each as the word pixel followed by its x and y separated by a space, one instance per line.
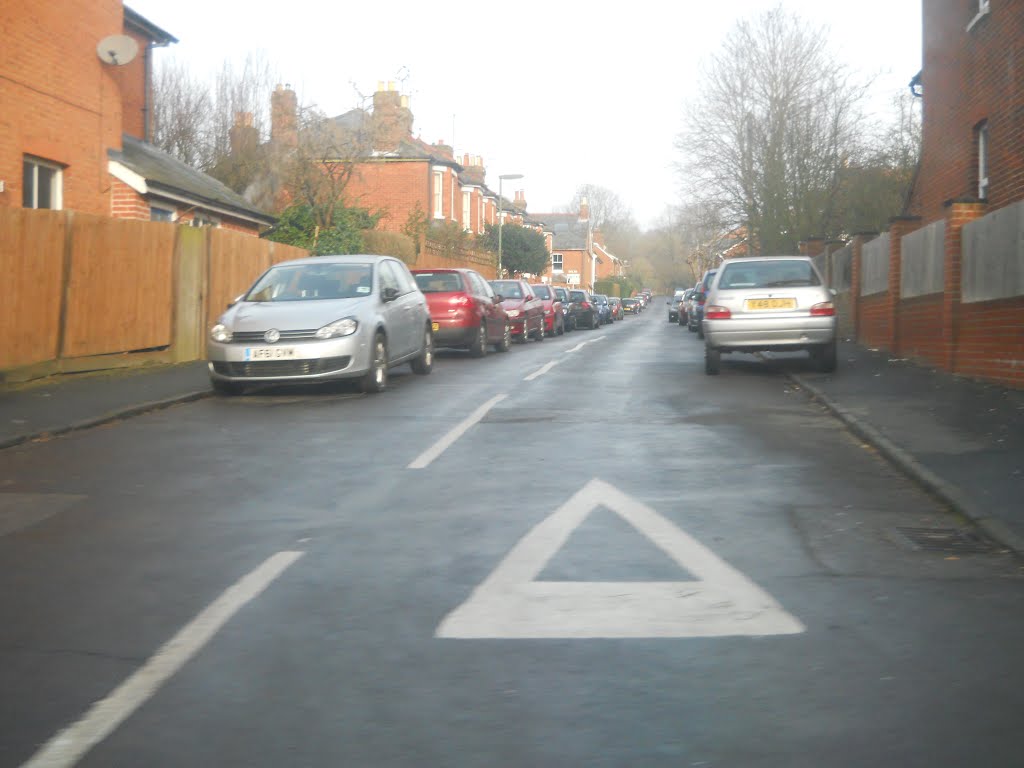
pixel 768 274
pixel 439 282
pixel 542 291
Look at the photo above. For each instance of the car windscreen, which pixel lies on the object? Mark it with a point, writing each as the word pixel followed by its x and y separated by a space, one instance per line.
pixel 302 282
pixel 542 291
pixel 778 273
pixel 577 296
pixel 439 282
pixel 510 289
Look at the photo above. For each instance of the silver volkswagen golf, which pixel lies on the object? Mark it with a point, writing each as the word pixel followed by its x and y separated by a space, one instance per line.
pixel 321 318
pixel 778 303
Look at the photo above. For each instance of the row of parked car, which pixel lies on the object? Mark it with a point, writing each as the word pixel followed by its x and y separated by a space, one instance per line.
pixel 342 317
pixel 757 304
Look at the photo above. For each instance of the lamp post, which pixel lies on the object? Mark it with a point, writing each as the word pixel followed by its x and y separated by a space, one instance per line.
pixel 501 219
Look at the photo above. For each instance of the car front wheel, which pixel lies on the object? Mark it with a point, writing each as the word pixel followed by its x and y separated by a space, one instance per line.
pixel 376 378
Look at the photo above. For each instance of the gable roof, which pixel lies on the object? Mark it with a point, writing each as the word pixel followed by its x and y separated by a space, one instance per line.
pixel 164 174
pixel 568 232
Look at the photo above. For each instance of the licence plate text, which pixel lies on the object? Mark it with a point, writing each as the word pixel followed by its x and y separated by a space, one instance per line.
pixel 756 304
pixel 269 353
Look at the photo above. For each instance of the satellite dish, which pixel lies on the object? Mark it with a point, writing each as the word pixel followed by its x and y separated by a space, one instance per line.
pixel 117 49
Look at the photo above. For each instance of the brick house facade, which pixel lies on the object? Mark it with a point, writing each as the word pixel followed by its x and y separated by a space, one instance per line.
pixel 579 255
pixel 967 193
pixel 68 114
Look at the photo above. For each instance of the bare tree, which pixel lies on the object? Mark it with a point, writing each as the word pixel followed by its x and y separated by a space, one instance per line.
pixel 181 109
pixel 774 124
pixel 606 209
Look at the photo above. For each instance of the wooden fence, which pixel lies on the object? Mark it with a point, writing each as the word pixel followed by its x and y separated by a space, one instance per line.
pixel 88 292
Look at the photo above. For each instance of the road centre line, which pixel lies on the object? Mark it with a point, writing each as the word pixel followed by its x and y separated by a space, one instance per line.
pixel 582 344
pixel 542 370
pixel 425 458
pixel 103 718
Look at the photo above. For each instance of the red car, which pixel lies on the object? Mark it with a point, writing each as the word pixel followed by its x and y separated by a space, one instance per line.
pixel 554 320
pixel 525 311
pixel 463 310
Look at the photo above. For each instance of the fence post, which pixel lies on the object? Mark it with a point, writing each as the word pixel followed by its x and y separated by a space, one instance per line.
pixel 958 212
pixel 856 247
pixel 190 274
pixel 899 226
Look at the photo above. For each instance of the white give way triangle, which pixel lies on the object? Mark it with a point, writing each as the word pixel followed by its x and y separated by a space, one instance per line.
pixel 511 603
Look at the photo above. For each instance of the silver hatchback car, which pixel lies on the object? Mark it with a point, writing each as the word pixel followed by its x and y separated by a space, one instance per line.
pixel 321 318
pixel 778 303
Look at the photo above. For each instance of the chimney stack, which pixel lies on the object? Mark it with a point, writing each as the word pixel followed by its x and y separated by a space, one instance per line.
pixel 284 126
pixel 473 169
pixel 520 201
pixel 243 134
pixel 584 209
pixel 391 119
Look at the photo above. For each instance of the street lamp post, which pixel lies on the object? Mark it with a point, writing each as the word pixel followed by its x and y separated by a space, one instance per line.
pixel 501 218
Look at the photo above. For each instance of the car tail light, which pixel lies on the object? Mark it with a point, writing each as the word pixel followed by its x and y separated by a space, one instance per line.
pixel 460 301
pixel 824 309
pixel 715 312
pixel 585 304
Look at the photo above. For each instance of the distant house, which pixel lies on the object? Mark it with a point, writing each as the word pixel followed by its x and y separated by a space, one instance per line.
pixel 578 253
pixel 76 126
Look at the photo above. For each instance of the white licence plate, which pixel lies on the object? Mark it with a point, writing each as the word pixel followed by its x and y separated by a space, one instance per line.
pixel 269 353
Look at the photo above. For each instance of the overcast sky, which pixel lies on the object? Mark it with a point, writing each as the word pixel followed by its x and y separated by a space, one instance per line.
pixel 565 93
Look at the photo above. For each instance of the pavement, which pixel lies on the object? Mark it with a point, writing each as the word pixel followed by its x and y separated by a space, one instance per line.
pixel 961 440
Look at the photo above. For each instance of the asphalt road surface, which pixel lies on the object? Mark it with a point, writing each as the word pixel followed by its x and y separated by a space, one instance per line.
pixel 582 553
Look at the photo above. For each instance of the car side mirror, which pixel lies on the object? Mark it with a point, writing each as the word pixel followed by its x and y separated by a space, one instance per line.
pixel 833 291
pixel 235 300
pixel 389 294
pixel 498 298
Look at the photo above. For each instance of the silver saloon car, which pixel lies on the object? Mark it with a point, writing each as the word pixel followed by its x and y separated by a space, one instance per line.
pixel 322 318
pixel 778 303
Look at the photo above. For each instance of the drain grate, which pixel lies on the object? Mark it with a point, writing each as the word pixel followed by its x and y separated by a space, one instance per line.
pixel 955 541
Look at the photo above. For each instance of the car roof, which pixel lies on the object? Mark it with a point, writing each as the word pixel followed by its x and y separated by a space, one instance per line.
pixel 441 269
pixel 749 259
pixel 351 258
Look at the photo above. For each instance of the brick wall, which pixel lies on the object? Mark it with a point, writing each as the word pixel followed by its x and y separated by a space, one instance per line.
pixel 990 341
pixel 968 77
pixel 60 102
pixel 392 187
pixel 126 203
pixel 873 328
pixel 919 329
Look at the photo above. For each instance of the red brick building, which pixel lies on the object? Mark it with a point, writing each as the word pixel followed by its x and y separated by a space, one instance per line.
pixel 73 128
pixel 578 253
pixel 946 283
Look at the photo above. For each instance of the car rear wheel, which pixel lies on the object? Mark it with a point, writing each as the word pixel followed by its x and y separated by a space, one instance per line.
pixel 479 346
pixel 712 361
pixel 825 357
pixel 376 379
pixel 560 330
pixel 539 336
pixel 700 331
pixel 424 364
pixel 506 340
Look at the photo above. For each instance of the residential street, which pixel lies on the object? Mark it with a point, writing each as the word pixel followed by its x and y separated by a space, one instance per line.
pixel 581 553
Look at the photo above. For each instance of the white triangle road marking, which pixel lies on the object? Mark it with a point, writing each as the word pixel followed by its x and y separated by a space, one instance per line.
pixel 511 603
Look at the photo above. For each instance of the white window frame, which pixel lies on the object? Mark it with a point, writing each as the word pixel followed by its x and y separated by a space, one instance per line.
pixel 983 158
pixel 467 211
pixel 56 201
pixel 438 195
pixel 557 267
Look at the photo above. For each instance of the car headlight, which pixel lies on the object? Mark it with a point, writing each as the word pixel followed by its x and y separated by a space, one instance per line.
pixel 513 313
pixel 344 327
pixel 220 333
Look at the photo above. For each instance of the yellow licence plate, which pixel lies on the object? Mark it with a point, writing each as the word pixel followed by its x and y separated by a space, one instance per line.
pixel 435 326
pixel 756 304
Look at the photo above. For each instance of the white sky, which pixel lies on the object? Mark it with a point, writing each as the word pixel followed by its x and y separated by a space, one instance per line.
pixel 565 93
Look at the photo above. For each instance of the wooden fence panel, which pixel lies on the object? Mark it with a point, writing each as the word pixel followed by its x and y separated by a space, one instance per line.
pixel 31 260
pixel 434 257
pixel 280 252
pixel 120 292
pixel 236 260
